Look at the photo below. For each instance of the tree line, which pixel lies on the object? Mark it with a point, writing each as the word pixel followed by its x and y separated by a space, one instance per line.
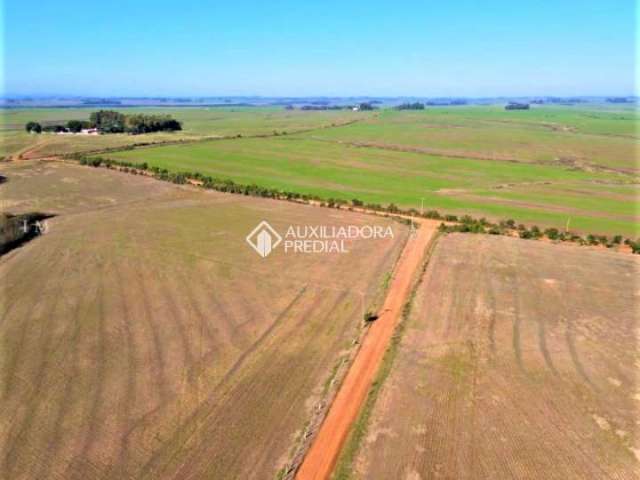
pixel 111 121
pixel 457 223
pixel 410 106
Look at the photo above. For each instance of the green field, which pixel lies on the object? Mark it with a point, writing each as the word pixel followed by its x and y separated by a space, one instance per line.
pixel 550 165
pixel 570 135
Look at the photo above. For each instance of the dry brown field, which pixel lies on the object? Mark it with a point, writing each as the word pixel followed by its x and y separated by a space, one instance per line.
pixel 141 337
pixel 519 360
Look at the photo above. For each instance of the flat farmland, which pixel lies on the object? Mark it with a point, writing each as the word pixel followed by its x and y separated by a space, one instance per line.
pixel 587 137
pixel 550 166
pixel 197 122
pixel 141 337
pixel 594 195
pixel 518 360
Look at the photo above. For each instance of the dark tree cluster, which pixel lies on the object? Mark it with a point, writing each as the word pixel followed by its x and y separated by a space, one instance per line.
pixel 139 123
pixel 411 106
pixel 322 107
pixel 366 106
pixel 33 127
pixel 75 126
pixel 517 106
pixel 110 121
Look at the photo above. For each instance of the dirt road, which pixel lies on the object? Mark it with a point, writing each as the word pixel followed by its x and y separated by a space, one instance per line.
pixel 321 457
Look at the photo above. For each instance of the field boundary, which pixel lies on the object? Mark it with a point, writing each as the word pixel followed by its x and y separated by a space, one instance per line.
pixel 466 223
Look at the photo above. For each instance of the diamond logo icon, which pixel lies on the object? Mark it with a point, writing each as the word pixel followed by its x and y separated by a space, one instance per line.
pixel 263 239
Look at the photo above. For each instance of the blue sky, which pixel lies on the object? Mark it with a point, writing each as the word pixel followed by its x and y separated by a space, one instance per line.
pixel 304 47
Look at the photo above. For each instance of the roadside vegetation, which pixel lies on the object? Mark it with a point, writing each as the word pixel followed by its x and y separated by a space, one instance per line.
pixel 455 223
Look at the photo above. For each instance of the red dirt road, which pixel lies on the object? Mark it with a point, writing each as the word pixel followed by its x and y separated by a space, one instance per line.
pixel 320 460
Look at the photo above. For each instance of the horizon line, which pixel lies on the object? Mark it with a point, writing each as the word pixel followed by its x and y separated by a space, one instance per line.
pixel 193 96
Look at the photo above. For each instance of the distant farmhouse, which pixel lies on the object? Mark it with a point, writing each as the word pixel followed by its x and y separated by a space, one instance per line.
pixel 516 106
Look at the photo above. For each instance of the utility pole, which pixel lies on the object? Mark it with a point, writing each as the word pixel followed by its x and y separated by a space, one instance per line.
pixel 422 206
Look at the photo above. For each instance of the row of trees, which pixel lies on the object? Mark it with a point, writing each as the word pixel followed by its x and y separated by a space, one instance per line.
pixel 411 106
pixel 321 106
pixel 463 223
pixel 509 227
pixel 110 121
pixel 73 126
pixel 517 106
pixel 366 106
pixel 33 127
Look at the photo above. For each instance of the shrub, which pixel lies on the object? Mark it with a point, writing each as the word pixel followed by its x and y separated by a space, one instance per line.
pixel 535 232
pixel 370 316
pixel 392 208
pixel 552 233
